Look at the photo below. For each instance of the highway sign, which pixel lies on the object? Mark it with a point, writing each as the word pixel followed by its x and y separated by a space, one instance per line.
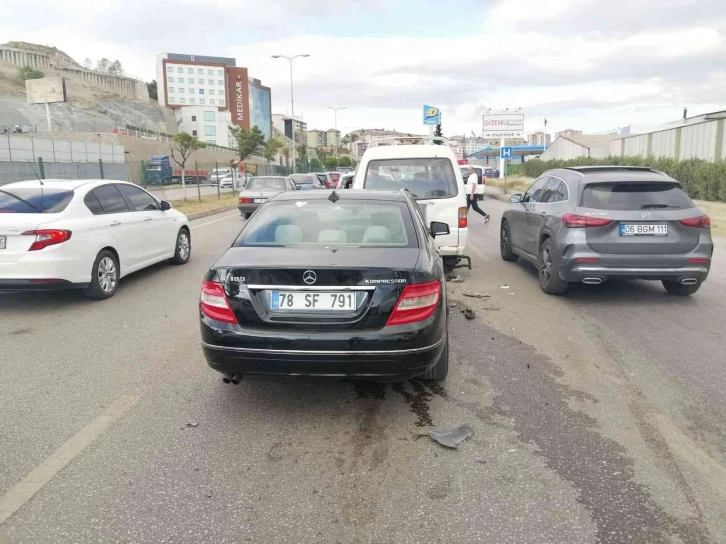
pixel 505 153
pixel 503 125
pixel 431 115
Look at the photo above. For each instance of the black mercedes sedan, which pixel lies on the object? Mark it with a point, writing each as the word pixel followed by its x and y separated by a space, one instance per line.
pixel 326 283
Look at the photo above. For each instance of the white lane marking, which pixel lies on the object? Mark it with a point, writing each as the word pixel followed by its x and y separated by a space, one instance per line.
pixel 34 481
pixel 215 221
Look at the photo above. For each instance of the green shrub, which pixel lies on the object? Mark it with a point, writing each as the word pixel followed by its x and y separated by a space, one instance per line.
pixel 700 179
pixel 26 72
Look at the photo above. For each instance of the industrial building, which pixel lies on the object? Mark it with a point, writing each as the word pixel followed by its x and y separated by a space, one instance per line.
pixel 572 147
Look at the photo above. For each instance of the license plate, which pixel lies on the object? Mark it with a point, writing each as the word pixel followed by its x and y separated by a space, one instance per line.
pixel 643 230
pixel 2 242
pixel 309 300
pixel 259 200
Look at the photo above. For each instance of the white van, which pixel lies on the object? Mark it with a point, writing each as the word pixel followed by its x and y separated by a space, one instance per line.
pixel 432 175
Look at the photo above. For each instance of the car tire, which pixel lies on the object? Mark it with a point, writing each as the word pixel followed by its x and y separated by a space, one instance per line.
pixel 182 248
pixel 440 370
pixel 104 276
pixel 450 263
pixel 246 215
pixel 679 289
pixel 549 278
pixel 505 243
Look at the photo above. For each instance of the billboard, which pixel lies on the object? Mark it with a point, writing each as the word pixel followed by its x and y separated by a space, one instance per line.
pixel 431 115
pixel 260 111
pixel 45 90
pixel 238 96
pixel 503 125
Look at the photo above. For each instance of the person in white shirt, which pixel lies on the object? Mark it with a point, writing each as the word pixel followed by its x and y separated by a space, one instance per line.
pixel 471 202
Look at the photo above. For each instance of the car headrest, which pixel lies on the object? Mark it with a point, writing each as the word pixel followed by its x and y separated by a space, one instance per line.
pixel 332 237
pixel 287 234
pixel 377 235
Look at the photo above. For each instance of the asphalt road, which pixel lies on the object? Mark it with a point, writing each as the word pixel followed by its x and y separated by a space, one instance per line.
pixel 598 417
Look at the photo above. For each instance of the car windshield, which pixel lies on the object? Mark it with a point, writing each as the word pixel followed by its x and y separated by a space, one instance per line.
pixel 266 183
pixel 423 177
pixel 322 223
pixel 305 180
pixel 635 196
pixel 34 200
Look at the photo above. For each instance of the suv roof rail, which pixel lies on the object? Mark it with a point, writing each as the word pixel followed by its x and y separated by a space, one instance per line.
pixel 378 141
pixel 614 168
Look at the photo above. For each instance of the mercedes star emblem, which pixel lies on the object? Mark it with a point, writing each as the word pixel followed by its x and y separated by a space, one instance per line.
pixel 309 277
pixel 646 215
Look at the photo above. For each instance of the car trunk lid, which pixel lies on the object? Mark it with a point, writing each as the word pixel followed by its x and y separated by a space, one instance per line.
pixel 13 243
pixel 252 275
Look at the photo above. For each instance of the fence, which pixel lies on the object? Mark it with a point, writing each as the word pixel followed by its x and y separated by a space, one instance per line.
pixel 11 171
pixel 23 149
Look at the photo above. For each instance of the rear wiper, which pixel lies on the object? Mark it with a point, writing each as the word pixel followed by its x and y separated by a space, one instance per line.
pixel 661 206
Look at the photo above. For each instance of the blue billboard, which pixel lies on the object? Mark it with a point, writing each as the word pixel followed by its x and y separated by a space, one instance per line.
pixel 260 110
pixel 431 115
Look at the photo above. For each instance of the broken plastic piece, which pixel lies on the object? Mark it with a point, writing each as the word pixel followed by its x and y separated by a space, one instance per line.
pixel 476 295
pixel 455 279
pixel 469 313
pixel 451 438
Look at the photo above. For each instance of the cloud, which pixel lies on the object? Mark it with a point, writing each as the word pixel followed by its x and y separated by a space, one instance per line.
pixel 587 63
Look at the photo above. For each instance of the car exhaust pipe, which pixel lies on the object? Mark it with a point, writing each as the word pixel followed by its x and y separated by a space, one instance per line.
pixel 592 281
pixel 227 378
pixel 689 281
pixel 236 379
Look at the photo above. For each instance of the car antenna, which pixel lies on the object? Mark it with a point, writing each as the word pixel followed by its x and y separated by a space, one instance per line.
pixel 333 197
pixel 35 173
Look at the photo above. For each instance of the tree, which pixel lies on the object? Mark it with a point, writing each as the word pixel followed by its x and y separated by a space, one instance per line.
pixel 439 133
pixel 182 147
pixel 102 65
pixel 116 69
pixel 248 141
pixel 286 154
pixel 322 155
pixel 315 165
pixel 331 163
pixel 153 91
pixel 88 64
pixel 26 72
pixel 302 154
pixel 344 161
pixel 272 148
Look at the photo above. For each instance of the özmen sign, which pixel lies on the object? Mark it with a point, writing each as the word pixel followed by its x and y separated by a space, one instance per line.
pixel 503 125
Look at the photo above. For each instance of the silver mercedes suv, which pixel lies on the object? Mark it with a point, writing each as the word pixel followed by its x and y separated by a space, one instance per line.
pixel 591 224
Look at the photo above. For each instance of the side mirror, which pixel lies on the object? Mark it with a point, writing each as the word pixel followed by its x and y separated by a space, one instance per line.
pixel 515 199
pixel 165 205
pixel 439 229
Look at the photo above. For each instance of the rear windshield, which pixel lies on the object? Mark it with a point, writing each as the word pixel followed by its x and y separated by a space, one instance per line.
pixel 322 177
pixel 635 196
pixel 424 178
pixel 34 200
pixel 305 180
pixel 266 183
pixel 321 223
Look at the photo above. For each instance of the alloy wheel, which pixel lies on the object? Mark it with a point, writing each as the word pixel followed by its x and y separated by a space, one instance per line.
pixel 546 268
pixel 107 275
pixel 183 245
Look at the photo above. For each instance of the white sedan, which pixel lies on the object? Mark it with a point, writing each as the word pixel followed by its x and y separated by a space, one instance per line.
pixel 85 234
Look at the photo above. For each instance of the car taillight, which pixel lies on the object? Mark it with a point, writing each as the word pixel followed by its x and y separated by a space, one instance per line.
pixel 417 303
pixel 214 303
pixel 572 221
pixel 463 221
pixel 245 201
pixel 699 260
pixel 47 237
pixel 703 222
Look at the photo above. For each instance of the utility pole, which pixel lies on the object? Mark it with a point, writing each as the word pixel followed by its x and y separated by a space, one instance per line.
pixel 337 135
pixel 292 103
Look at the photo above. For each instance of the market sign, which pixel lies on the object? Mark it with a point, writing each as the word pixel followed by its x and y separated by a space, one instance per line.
pixel 503 125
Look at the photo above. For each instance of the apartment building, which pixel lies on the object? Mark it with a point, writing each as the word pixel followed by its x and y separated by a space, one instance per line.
pixel 283 123
pixel 540 138
pixel 316 139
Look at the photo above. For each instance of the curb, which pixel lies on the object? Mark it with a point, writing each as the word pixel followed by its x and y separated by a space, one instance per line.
pixel 213 211
pixel 498 196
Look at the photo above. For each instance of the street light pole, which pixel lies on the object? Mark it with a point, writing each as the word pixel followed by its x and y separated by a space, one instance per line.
pixel 292 105
pixel 336 125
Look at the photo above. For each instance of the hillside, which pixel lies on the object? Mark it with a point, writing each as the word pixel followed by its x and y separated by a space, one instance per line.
pixel 88 108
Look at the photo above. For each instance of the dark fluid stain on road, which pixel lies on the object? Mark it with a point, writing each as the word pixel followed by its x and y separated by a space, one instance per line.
pixel 599 468
pixel 369 390
pixel 20 331
pixel 418 401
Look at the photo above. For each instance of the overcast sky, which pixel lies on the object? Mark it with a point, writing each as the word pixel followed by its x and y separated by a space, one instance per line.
pixel 592 65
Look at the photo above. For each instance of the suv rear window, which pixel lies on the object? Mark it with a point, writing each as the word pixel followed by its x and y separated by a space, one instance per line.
pixel 635 196
pixel 321 223
pixel 424 177
pixel 34 200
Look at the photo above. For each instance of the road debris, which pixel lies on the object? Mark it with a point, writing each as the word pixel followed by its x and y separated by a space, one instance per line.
pixel 476 295
pixel 451 438
pixel 455 279
pixel 192 424
pixel 504 286
pixel 453 305
pixel 469 313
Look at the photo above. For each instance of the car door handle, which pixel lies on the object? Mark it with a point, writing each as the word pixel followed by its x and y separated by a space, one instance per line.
pixel 115 223
pixel 149 219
